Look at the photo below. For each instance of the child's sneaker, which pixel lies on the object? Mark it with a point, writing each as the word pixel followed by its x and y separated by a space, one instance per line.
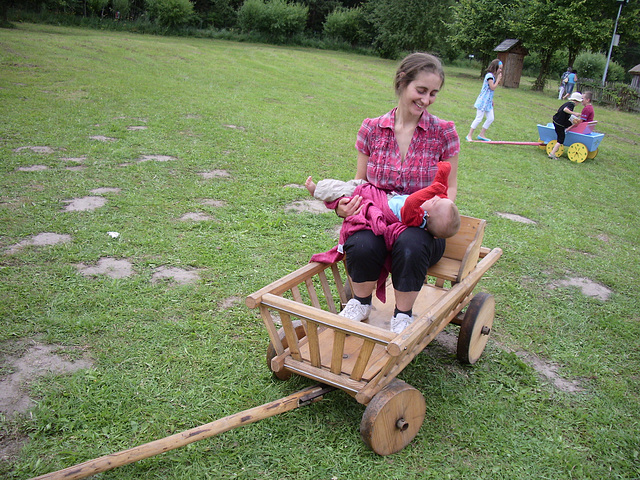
pixel 483 139
pixel 552 156
pixel 468 138
pixel 400 321
pixel 356 311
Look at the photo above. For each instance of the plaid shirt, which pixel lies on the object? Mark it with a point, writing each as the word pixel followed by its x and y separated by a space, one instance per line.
pixel 434 140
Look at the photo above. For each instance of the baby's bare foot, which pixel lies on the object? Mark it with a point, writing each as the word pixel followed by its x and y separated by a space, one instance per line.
pixel 310 184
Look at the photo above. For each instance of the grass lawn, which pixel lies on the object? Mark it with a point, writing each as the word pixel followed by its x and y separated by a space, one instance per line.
pixel 194 150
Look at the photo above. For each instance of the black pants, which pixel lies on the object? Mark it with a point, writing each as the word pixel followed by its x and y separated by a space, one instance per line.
pixel 412 254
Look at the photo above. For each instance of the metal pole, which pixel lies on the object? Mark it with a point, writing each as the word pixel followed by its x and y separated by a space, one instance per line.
pixel 606 67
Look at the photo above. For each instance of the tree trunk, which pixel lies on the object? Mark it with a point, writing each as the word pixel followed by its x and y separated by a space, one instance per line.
pixel 538 85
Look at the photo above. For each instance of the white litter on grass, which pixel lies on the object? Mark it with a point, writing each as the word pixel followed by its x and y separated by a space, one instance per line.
pixel 113 234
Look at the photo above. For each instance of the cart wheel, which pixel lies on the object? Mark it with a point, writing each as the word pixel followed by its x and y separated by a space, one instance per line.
pixel 592 154
pixel 577 152
pixel 550 146
pixel 476 328
pixel 542 146
pixel 393 418
pixel 271 351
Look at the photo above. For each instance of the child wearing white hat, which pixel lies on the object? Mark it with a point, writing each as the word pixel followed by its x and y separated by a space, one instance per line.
pixel 562 120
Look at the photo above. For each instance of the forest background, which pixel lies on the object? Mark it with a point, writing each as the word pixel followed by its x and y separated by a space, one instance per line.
pixel 557 33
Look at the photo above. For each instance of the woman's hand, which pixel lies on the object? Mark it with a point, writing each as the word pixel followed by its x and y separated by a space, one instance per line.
pixel 349 206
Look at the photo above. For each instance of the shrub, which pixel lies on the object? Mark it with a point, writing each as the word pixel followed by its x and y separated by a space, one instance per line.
pixel 276 19
pixel 591 65
pixel 170 14
pixel 346 24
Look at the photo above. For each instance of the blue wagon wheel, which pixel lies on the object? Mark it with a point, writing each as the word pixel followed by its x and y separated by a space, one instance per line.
pixel 592 154
pixel 550 146
pixel 577 152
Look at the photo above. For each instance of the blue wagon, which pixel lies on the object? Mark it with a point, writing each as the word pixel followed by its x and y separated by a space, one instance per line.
pixel 581 141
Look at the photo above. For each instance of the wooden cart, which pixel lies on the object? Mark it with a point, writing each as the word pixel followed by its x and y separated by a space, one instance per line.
pixel 362 359
pixel 309 338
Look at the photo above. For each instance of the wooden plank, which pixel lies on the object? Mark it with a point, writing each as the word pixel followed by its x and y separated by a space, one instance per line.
pixel 337 352
pixel 295 293
pixel 338 281
pixel 313 345
pixel 328 319
pixel 290 334
pixel 325 376
pixel 285 283
pixel 363 360
pixel 267 319
pixel 326 290
pixel 312 292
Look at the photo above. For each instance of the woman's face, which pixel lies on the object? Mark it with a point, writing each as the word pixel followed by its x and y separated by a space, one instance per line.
pixel 420 93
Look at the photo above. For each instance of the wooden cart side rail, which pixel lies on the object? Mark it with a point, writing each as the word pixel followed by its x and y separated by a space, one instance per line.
pixel 444 305
pixel 313 365
pixel 326 319
pixel 287 282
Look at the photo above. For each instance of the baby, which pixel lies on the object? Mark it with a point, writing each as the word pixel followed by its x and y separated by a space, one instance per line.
pixel 428 208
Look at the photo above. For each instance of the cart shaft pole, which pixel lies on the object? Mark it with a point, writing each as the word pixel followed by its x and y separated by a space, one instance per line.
pixel 131 455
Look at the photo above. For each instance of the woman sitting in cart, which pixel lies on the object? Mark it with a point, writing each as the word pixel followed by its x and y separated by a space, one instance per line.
pixel 562 120
pixel 399 152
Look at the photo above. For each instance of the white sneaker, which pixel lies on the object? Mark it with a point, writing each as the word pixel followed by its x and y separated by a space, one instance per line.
pixel 400 322
pixel 356 311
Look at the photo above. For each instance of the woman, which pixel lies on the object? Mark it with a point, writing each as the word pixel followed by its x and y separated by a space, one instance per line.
pixel 399 152
pixel 484 102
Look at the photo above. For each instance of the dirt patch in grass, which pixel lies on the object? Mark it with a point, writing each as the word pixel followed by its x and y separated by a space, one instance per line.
pixel 33 168
pixel 37 149
pixel 102 138
pixel 214 203
pixel 27 361
pixel 42 239
pixel 230 302
pixel 516 218
pixel 156 158
pixel 195 217
pixel 307 206
pixel 214 174
pixel 586 286
pixel 84 204
pixel 178 275
pixel 32 360
pixel 103 190
pixel 111 267
pixel 546 370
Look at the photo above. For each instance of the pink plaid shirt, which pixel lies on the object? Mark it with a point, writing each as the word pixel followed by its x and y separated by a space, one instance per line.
pixel 433 141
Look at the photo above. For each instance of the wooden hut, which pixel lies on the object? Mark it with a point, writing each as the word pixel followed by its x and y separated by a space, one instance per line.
pixel 635 76
pixel 512 54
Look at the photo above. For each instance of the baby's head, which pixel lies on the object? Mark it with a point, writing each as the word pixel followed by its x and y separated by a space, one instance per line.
pixel 443 218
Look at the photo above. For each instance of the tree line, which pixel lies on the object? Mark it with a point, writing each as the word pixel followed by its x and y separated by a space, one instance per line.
pixel 555 32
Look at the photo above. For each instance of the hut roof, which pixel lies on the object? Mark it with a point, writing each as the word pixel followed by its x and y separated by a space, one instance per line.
pixel 635 70
pixel 507 45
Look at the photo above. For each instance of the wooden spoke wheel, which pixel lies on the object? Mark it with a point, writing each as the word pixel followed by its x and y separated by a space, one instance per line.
pixel 552 144
pixel 592 154
pixel 476 328
pixel 542 146
pixel 271 351
pixel 577 152
pixel 393 418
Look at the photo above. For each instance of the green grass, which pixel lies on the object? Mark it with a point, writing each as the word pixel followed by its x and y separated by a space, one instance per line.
pixel 169 357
